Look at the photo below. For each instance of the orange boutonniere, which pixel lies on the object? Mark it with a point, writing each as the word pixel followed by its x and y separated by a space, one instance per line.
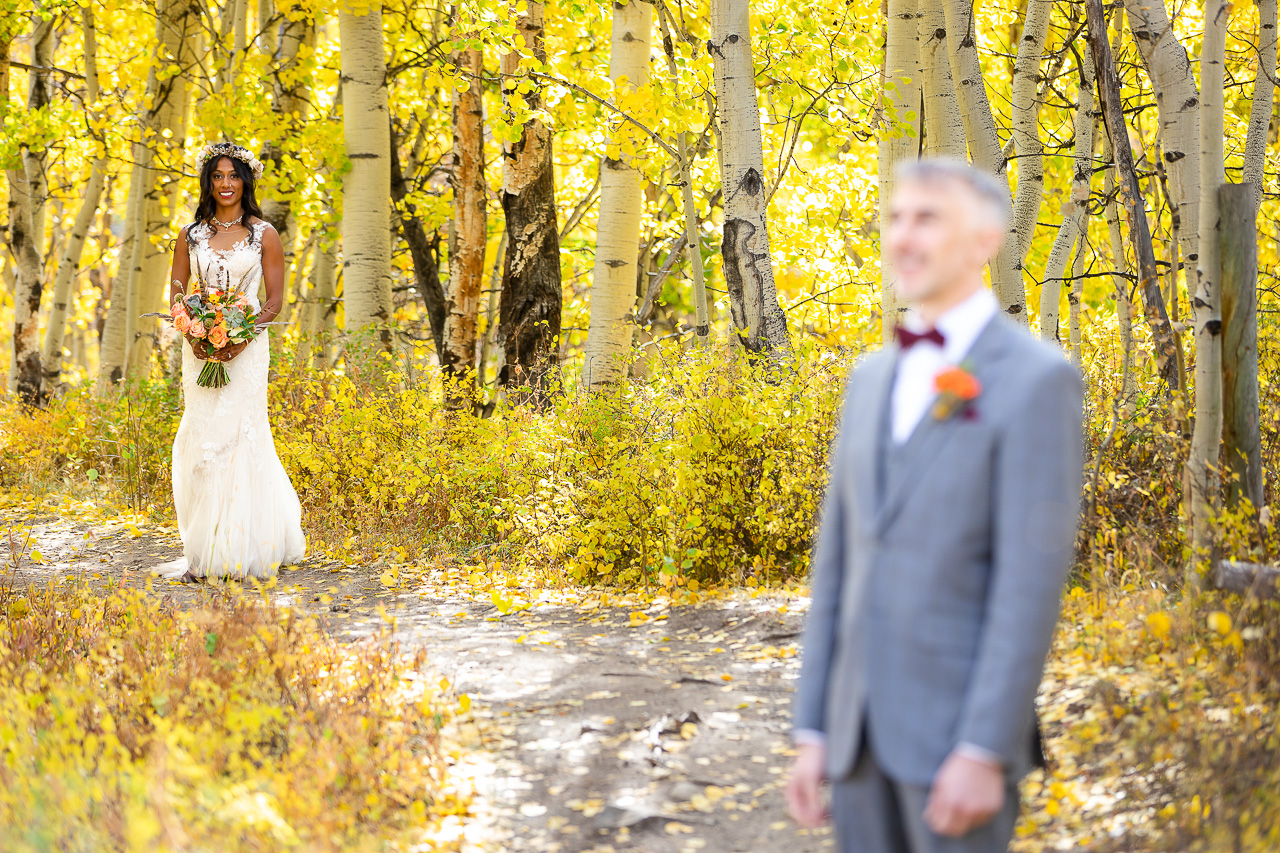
pixel 956 388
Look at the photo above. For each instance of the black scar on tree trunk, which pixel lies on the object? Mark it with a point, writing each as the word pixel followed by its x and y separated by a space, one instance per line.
pixel 741 270
pixel 529 305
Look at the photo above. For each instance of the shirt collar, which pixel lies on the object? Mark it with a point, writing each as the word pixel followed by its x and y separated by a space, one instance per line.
pixel 962 324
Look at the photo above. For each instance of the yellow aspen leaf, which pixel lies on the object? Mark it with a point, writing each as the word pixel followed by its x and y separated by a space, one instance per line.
pixel 1219 623
pixel 1158 625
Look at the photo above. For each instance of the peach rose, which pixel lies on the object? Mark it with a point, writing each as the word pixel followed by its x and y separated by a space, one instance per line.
pixel 197 330
pixel 218 336
pixel 181 321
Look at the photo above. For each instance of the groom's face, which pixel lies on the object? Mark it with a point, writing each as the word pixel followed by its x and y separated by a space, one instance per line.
pixel 940 237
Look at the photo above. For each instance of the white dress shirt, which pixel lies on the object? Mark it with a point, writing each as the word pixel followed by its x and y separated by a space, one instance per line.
pixel 913 395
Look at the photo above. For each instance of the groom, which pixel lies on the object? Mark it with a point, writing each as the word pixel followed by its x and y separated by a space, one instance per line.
pixel 945 540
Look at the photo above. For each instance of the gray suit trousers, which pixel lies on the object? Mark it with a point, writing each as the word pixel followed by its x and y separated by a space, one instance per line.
pixel 875 814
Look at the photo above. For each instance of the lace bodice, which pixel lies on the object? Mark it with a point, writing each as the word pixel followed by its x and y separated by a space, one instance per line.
pixel 239 266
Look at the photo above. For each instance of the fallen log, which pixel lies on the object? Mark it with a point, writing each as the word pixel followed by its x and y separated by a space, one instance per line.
pixel 1247 578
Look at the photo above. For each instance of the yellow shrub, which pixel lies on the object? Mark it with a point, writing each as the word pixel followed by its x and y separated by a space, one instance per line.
pixel 126 725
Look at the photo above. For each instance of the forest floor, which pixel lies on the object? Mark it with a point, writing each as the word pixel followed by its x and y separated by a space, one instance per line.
pixel 592 723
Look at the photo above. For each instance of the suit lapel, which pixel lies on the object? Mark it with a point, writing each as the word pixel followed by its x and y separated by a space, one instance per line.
pixel 932 435
pixel 866 437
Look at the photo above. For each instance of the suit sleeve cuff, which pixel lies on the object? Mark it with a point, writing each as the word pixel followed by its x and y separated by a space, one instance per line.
pixel 809 737
pixel 974 753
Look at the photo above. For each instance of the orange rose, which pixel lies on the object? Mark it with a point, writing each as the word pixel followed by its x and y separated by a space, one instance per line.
pixel 218 336
pixel 957 382
pixel 197 329
pixel 181 322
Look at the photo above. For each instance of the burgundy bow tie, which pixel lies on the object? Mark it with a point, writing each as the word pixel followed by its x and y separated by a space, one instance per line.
pixel 907 338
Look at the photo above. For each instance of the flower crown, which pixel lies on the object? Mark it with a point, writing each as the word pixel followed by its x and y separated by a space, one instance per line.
pixel 230 149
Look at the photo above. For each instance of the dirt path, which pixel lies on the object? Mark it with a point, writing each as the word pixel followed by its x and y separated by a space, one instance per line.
pixel 591 728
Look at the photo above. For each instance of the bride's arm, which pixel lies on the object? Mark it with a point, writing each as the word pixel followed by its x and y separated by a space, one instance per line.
pixel 272 275
pixel 179 276
pixel 180 269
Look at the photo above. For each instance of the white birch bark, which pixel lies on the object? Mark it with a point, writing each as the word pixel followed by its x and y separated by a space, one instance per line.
pixel 748 264
pixel 900 136
pixel 1026 128
pixel 1207 304
pixel 1073 213
pixel 468 237
pixel 944 127
pixel 366 188
pixel 1255 147
pixel 984 143
pixel 1178 103
pixel 55 332
pixel 613 275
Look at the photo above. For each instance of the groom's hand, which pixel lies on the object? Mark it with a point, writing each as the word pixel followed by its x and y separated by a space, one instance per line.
pixel 804 788
pixel 966 794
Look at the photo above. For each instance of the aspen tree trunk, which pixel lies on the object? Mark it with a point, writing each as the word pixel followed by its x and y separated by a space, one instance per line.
pixel 318 318
pixel 466 254
pixel 900 136
pixel 1076 299
pixel 693 239
pixel 1131 195
pixel 944 127
pixel 113 349
pixel 1255 148
pixel 1026 128
pixel 25 372
pixel 1207 305
pixel 423 248
pixel 613 276
pixel 529 306
pixel 748 265
pixel 28 190
pixel 1073 215
pixel 1124 304
pixel 291 103
pixel 1178 103
pixel 268 43
pixel 177 27
pixel 984 143
pixel 236 18
pixel 491 315
pixel 366 189
pixel 44 43
pixel 51 354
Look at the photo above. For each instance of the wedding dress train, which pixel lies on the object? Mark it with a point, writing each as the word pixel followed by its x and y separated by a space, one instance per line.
pixel 238 513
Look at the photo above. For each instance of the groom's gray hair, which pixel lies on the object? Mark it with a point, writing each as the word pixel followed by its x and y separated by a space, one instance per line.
pixel 989 192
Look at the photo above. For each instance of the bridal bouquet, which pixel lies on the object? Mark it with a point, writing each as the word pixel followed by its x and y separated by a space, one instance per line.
pixel 215 315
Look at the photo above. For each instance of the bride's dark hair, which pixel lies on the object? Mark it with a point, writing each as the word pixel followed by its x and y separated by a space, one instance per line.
pixel 207 207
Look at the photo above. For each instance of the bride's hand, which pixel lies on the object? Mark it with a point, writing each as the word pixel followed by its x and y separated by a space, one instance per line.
pixel 198 347
pixel 229 352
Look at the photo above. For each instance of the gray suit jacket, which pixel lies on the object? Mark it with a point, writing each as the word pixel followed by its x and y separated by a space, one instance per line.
pixel 934 604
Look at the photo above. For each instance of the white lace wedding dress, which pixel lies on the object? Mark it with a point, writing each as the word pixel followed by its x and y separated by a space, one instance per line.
pixel 238 514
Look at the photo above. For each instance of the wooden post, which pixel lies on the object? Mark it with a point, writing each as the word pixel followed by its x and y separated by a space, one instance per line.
pixel 1242 442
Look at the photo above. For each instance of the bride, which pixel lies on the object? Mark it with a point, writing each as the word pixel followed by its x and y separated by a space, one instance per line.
pixel 238 514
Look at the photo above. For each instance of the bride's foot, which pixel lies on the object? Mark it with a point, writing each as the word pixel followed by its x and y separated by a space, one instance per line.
pixel 187 577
